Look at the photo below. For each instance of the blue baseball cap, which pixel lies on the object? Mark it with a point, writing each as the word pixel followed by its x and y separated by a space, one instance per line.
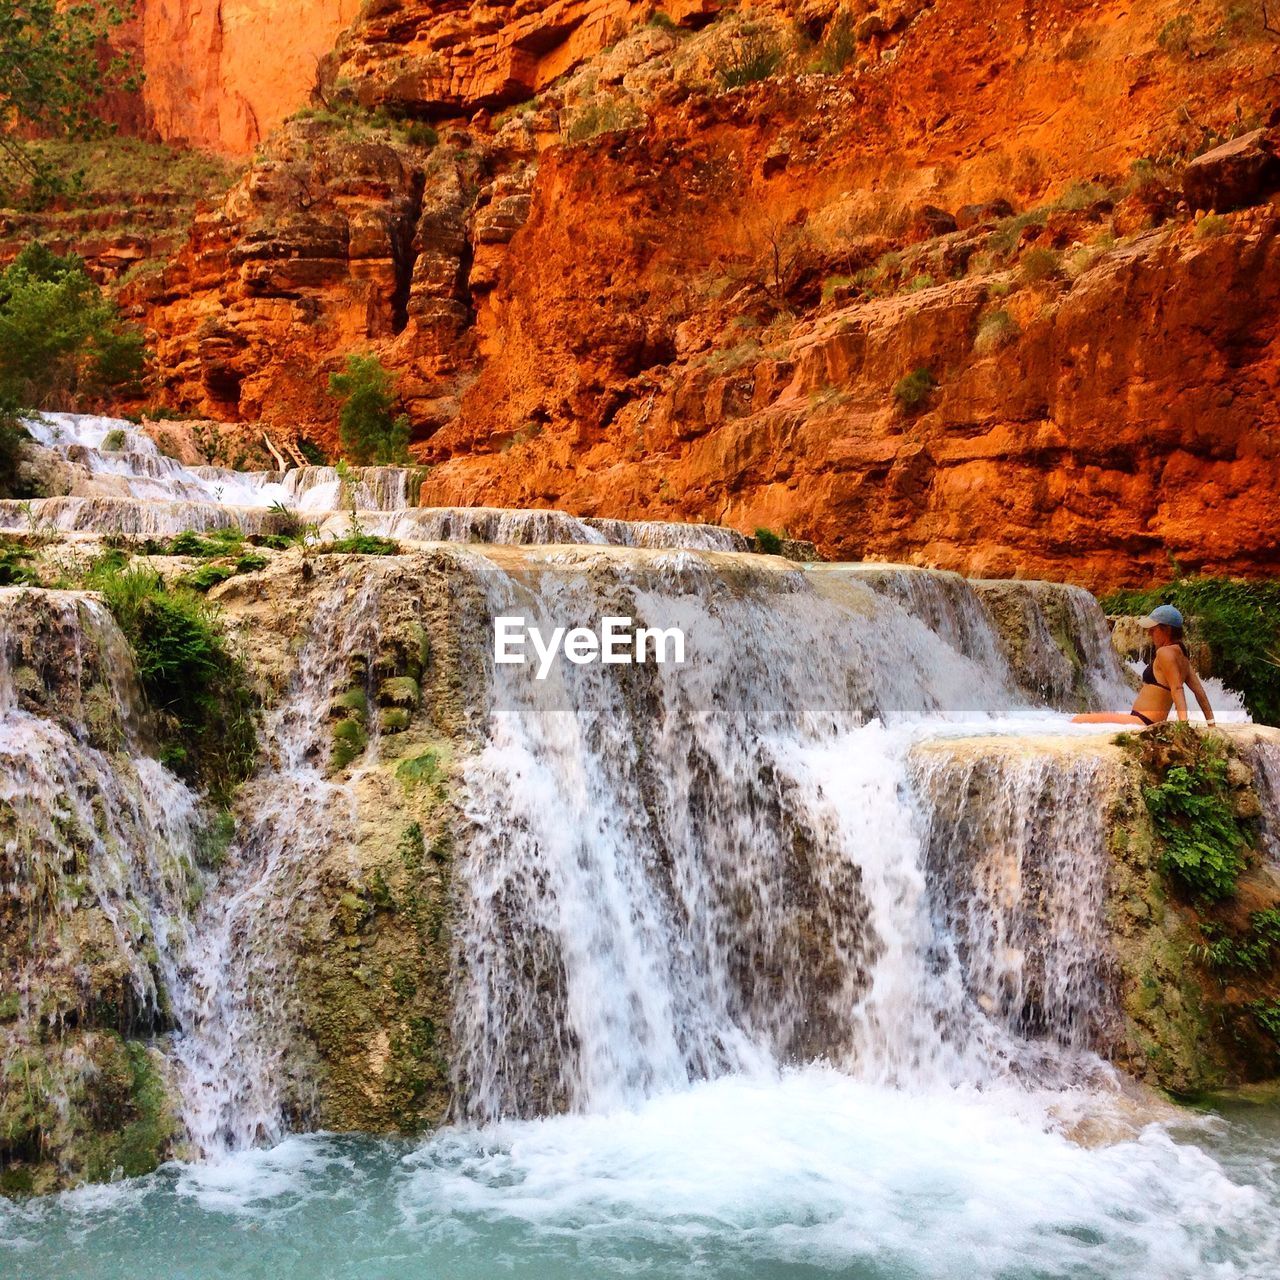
pixel 1164 615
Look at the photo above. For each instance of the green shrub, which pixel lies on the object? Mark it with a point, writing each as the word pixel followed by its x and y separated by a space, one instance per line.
pixel 1267 1013
pixel 207 576
pixel 832 283
pixel 195 686
pixel 1008 232
pixel 1203 845
pixel 12 435
pixel 1039 264
pixel 604 115
pixel 421 134
pixel 838 45
pixel 912 392
pixel 114 441
pixel 1251 952
pixel 356 542
pixel 368 430
pixel 314 455
pixel 1240 623
pixel 922 281
pixel 768 543
pixel 755 58
pixel 57 65
pixel 995 331
pixel 15 569
pixel 661 20
pixel 1080 195
pixel 60 340
pixel 1211 226
pixel 1175 36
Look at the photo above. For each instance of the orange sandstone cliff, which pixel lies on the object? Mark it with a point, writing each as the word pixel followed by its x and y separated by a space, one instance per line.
pixel 990 286
pixel 221 74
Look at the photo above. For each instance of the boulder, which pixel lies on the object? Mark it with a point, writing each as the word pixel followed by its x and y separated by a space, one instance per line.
pixel 1238 173
pixel 972 215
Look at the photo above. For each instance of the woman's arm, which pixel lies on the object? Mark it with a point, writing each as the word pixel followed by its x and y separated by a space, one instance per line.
pixel 1193 683
pixel 1167 665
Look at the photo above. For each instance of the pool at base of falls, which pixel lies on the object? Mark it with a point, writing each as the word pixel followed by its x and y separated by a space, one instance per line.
pixel 807 1174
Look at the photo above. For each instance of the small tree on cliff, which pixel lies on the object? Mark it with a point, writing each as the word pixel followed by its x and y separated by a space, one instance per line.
pixel 368 430
pixel 55 67
pixel 61 340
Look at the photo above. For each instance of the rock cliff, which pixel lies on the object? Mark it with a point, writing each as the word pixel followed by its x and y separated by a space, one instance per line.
pixel 916 281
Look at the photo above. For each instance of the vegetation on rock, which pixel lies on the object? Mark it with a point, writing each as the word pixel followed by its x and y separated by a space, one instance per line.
pixel 52 80
pixel 61 340
pixel 369 431
pixel 196 687
pixel 1195 916
pixel 1203 841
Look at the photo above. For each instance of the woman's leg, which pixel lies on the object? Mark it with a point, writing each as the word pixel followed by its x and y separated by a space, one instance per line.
pixel 1108 717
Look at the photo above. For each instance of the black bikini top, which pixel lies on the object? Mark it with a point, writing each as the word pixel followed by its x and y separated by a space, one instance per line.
pixel 1149 677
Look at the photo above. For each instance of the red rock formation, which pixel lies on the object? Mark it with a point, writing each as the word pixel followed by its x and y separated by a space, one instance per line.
pixel 668 318
pixel 222 74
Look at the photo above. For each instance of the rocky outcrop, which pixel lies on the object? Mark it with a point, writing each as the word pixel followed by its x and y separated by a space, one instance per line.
pixel 651 291
pixel 436 58
pixel 1237 173
pixel 84 1094
pixel 1168 1006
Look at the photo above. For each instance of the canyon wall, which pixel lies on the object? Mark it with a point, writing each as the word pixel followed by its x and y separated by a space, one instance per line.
pixel 938 283
pixel 221 74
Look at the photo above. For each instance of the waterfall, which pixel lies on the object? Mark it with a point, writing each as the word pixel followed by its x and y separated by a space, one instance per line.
pixel 88 815
pixel 1015 848
pixel 777 853
pixel 685 872
pixel 242 1066
pixel 1059 644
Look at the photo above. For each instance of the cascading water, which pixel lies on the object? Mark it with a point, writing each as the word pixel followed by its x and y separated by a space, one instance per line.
pixel 1015 848
pixel 234 1011
pixel 76 780
pixel 690 871
pixel 757 966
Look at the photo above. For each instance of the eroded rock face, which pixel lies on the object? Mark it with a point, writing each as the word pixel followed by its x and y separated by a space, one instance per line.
pixel 640 294
pixel 440 58
pixel 1150 996
pixel 222 76
pixel 94 854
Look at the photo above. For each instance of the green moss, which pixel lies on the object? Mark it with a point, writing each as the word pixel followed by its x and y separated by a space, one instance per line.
pixel 394 719
pixel 354 699
pixel 215 839
pixel 349 741
pixel 421 770
pixel 10 1006
pixel 399 691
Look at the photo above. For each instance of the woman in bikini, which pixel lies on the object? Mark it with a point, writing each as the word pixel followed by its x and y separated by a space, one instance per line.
pixel 1166 679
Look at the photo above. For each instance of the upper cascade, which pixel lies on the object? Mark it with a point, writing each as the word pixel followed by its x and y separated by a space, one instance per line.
pixel 125 485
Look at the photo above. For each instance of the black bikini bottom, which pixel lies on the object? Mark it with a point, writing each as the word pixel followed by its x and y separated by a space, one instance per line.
pixel 1144 719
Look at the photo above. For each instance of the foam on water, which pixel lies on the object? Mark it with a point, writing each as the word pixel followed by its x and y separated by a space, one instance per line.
pixel 804 1173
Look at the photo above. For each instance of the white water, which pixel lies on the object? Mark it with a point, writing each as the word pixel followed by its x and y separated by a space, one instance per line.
pixel 97 803
pixel 134 490
pixel 818 993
